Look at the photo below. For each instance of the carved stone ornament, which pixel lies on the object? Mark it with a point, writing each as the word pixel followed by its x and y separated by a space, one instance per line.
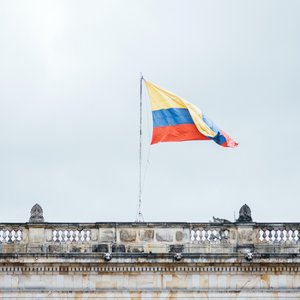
pixel 219 220
pixel 245 214
pixel 36 214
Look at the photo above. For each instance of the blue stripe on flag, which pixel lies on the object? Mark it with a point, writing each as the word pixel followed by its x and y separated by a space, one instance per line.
pixel 171 117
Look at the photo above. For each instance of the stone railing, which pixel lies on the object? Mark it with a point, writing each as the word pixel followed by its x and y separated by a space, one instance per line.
pixel 219 236
pixel 149 237
pixel 70 235
pixel 11 234
pixel 279 233
pixel 210 234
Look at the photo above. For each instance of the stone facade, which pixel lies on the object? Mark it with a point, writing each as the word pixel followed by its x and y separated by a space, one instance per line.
pixel 220 260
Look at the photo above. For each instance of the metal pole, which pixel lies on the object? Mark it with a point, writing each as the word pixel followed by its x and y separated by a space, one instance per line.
pixel 140 215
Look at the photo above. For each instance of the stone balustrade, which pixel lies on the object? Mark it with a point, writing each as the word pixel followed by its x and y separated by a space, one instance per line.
pixel 10 235
pixel 149 237
pixel 279 233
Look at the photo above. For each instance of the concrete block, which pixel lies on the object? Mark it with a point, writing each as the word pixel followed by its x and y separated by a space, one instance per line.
pixel 127 235
pixel 100 248
pixel 164 236
pixel 118 248
pixel 146 235
pixel 107 235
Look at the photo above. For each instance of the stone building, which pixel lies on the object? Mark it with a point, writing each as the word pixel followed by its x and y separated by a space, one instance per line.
pixel 215 260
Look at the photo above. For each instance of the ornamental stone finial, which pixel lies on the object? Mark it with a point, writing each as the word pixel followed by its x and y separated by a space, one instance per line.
pixel 36 214
pixel 245 214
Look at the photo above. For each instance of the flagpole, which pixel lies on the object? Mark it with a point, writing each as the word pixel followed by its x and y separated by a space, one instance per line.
pixel 140 215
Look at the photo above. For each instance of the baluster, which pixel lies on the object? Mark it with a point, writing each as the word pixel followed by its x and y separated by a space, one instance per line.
pixel 57 235
pixel 10 236
pixel 69 235
pixel 16 235
pixel 20 237
pixel 202 235
pixel 198 235
pixel 83 238
pixel 208 235
pixel 270 235
pixel 281 235
pixel 284 235
pixel 293 235
pixel 205 235
pixel 63 235
pixel 88 235
pixel 217 235
pixel 287 235
pixel 272 238
pixel 79 236
pixel 74 236
pixel 5 233
pixel 192 235
pixel 211 236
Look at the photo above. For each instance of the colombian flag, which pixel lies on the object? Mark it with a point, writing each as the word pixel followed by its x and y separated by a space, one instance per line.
pixel 177 120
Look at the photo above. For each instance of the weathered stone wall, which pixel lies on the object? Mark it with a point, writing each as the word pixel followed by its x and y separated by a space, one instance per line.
pixel 242 260
pixel 129 282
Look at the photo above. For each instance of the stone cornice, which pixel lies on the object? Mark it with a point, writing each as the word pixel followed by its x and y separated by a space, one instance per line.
pixel 146 268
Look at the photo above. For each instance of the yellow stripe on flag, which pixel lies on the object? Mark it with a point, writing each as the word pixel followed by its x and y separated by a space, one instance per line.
pixel 162 99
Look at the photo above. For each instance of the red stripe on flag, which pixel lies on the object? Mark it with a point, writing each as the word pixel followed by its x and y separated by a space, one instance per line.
pixel 229 141
pixel 178 133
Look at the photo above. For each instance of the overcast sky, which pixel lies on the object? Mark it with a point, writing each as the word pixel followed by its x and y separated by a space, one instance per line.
pixel 69 109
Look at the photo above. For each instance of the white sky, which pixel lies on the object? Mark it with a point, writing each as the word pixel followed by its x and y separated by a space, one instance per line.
pixel 69 108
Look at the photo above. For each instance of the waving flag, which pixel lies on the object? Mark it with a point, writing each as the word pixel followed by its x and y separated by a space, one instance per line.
pixel 176 120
